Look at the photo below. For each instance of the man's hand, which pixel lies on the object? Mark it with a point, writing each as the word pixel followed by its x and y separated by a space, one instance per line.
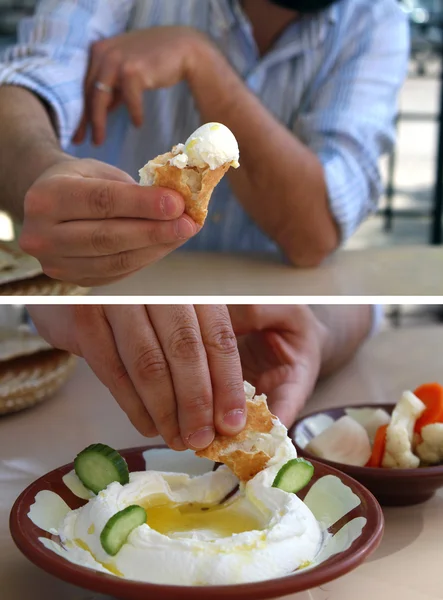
pixel 127 65
pixel 174 370
pixel 91 224
pixel 281 350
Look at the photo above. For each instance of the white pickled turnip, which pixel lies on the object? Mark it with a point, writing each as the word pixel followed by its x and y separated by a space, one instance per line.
pixel 370 418
pixel 346 441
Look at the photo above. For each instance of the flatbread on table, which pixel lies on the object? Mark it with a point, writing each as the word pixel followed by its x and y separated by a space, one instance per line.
pixel 15 265
pixel 20 342
pixel 22 275
pixel 7 260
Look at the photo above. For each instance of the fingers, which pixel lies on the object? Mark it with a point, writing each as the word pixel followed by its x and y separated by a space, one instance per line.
pixel 100 100
pixel 179 334
pixel 88 198
pixel 148 368
pixel 286 402
pixel 80 134
pixel 290 381
pixel 257 317
pixel 116 100
pixel 103 238
pixel 91 169
pixel 97 345
pixel 132 94
pixel 94 64
pixel 99 269
pixel 124 83
pixel 158 362
pixel 225 368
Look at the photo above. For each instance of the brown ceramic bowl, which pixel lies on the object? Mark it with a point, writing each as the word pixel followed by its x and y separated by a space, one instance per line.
pixel 391 487
pixel 26 534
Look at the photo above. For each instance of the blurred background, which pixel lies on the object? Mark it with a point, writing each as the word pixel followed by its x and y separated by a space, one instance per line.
pixel 396 316
pixel 411 211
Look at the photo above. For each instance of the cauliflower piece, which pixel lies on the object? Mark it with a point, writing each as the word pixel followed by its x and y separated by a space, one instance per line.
pixel 431 449
pixel 398 452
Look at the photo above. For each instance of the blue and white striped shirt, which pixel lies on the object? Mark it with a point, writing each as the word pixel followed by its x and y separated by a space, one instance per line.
pixel 332 78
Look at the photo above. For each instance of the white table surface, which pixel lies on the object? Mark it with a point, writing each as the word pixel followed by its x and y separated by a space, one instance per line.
pixel 408 564
pixel 399 271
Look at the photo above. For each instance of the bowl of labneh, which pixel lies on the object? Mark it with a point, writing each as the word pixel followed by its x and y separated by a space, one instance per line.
pixel 151 522
pixel 395 450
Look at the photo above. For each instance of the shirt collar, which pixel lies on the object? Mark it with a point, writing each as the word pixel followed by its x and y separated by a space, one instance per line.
pixel 223 15
pixel 305 34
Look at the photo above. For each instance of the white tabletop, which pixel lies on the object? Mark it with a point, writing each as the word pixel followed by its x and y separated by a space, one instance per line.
pixel 407 565
pixel 400 271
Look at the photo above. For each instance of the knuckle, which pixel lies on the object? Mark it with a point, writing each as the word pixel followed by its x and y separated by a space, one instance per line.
pixel 36 203
pixel 222 339
pixel 154 233
pixel 185 343
pixel 235 389
pixel 150 364
pixel 104 241
pixel 85 317
pixel 167 418
pixel 99 47
pixel 201 403
pixel 101 202
pixel 119 374
pixel 32 244
pixel 130 69
pixel 120 263
pixel 113 56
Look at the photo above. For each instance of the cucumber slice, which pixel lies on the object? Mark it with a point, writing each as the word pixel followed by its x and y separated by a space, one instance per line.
pixel 294 475
pixel 99 465
pixel 117 529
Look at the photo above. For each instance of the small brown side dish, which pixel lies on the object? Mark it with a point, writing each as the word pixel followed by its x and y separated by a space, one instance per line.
pixel 26 534
pixel 391 487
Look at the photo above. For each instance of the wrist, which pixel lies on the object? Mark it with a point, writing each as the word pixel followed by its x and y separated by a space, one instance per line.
pixel 40 159
pixel 200 52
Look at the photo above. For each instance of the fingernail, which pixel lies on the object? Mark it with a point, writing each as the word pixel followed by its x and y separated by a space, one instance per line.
pixel 201 438
pixel 235 420
pixel 185 229
pixel 169 206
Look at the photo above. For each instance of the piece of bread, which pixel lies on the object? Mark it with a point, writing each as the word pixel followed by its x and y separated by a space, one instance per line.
pixel 196 185
pixel 241 452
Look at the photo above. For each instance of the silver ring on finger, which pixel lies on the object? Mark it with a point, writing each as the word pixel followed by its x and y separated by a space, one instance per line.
pixel 103 87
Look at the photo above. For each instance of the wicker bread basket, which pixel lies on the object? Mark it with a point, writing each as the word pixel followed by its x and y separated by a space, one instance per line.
pixel 30 370
pixel 41 286
pixel 21 275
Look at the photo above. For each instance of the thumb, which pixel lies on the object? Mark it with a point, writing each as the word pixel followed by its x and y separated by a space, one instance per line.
pixel 287 401
pixel 257 317
pixel 91 168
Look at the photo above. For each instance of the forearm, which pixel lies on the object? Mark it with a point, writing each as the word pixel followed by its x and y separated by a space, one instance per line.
pixel 345 328
pixel 281 183
pixel 28 146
